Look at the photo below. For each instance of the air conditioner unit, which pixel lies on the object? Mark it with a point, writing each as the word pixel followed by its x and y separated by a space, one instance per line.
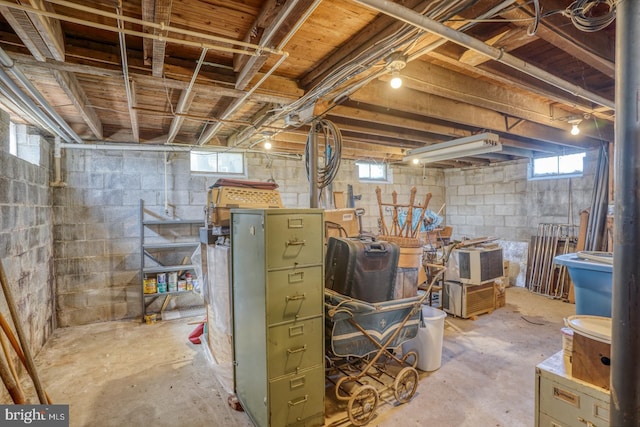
pixel 480 265
pixel 465 300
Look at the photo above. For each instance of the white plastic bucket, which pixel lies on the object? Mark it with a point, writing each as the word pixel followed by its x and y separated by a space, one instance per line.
pixel 428 341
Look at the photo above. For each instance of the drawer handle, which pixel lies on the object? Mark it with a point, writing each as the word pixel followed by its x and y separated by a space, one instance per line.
pixel 586 422
pixel 297 350
pixel 295 297
pixel 299 401
pixel 295 243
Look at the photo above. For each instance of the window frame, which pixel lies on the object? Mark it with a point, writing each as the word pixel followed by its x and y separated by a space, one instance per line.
pixel 532 175
pixel 385 179
pixel 218 166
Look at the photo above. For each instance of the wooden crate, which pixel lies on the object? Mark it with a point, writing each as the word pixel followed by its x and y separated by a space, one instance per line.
pixel 590 360
pixel 500 291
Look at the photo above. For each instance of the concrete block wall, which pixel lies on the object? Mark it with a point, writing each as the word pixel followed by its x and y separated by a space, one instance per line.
pixel 26 244
pixel 500 201
pixel 97 234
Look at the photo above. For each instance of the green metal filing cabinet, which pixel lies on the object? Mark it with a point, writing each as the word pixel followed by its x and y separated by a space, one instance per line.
pixel 278 315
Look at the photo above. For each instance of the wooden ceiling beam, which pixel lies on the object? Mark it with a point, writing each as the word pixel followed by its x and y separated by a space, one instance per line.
pixel 158 12
pixel 49 29
pixel 381 28
pixel 508 40
pixel 513 80
pixel 436 107
pixel 162 14
pixel 351 110
pixel 69 83
pixel 22 25
pixel 433 79
pixel 143 80
pixel 596 51
pixel 271 27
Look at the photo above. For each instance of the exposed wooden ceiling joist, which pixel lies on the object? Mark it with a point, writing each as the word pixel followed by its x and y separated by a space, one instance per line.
pixel 69 83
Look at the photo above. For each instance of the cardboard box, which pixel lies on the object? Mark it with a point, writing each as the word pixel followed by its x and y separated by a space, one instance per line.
pixel 339 221
pixel 590 360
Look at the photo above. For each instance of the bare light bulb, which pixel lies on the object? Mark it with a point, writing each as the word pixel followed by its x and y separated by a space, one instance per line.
pixel 575 130
pixel 267 145
pixel 415 161
pixel 396 81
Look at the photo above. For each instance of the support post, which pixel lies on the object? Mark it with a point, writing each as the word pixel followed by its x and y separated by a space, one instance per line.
pixel 625 339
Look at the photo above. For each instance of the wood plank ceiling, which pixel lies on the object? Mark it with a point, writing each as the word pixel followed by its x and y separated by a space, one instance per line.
pixel 231 73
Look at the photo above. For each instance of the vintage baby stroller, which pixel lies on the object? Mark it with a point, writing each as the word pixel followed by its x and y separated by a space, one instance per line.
pixel 363 337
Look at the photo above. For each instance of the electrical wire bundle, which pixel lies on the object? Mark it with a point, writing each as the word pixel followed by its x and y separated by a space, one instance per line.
pixel 328 172
pixel 583 18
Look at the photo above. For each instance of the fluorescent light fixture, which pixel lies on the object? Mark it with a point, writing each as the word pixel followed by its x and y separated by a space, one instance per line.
pixel 463 147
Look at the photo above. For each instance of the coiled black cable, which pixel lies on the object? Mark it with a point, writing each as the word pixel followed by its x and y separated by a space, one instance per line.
pixel 581 14
pixel 332 137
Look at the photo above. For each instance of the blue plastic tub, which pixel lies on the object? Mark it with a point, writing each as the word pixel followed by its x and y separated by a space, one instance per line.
pixel 592 283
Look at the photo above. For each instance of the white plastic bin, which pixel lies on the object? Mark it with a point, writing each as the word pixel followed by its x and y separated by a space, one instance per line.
pixel 428 341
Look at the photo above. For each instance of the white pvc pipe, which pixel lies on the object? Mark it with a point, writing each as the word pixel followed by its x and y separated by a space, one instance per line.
pixel 411 17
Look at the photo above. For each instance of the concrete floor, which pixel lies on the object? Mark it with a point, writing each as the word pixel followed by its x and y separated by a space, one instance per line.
pixel 130 374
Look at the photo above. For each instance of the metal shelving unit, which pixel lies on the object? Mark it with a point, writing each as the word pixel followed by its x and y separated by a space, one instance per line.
pixel 150 250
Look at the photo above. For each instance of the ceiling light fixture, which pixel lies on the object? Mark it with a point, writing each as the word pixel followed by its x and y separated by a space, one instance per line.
pixel 267 145
pixel 474 145
pixel 395 63
pixel 396 80
pixel 574 122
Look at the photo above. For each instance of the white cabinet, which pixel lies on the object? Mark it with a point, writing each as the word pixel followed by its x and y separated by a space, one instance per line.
pixel 564 401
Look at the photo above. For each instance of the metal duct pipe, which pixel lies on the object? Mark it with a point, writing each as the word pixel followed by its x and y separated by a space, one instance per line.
pixel 625 338
pixel 42 117
pixel 131 147
pixel 125 73
pixel 433 46
pixel 8 63
pixel 210 133
pixel 183 103
pixel 413 18
pixel 26 110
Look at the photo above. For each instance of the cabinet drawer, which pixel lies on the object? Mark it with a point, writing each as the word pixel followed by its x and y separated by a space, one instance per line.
pixel 570 406
pixel 294 346
pixel 294 293
pixel 294 239
pixel 297 399
pixel 546 421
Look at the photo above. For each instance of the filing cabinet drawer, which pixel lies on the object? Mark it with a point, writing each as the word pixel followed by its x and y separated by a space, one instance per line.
pixel 294 293
pixel 296 400
pixel 570 406
pixel 294 346
pixel 294 239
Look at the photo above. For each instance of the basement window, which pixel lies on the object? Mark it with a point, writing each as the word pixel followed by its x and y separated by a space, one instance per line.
pixel 372 171
pixel 566 166
pixel 23 145
pixel 219 163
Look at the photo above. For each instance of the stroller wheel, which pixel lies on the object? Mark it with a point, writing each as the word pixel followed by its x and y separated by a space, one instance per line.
pixel 405 385
pixel 362 405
